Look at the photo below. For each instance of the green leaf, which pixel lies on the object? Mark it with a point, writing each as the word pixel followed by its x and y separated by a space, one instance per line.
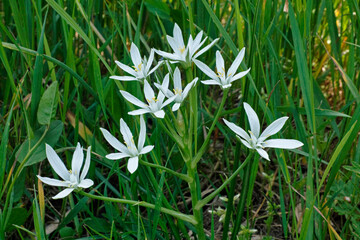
pixel 158 8
pixel 18 216
pixel 51 138
pixel 47 105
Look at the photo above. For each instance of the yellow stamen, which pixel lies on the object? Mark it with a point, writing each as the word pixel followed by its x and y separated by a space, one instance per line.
pixel 70 171
pixel 182 49
pixel 155 100
pixel 138 68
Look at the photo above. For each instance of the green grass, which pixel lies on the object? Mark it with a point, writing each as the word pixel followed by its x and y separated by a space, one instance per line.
pixel 304 59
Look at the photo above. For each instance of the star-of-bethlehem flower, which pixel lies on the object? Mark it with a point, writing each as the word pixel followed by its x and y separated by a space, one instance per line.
pixel 155 105
pixel 222 78
pixel 177 91
pixel 182 53
pixel 130 150
pixel 258 141
pixel 141 66
pixel 72 179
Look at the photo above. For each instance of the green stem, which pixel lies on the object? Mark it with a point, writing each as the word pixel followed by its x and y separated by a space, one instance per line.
pixel 202 150
pixel 177 174
pixel 206 200
pixel 193 111
pixel 171 212
pixel 171 132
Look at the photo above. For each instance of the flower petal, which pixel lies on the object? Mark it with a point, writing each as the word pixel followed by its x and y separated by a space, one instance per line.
pixel 174 45
pixel 53 182
pixel 205 48
pixel 146 149
pixel 238 130
pixel 86 183
pixel 156 67
pixel 126 68
pixel 253 119
pixel 113 141
pixel 126 133
pixel 211 82
pixel 205 69
pixel 282 143
pixel 135 55
pixel 77 160
pixel 139 112
pixel 148 91
pixel 132 99
pixel 240 75
pixel 124 78
pixel 56 163
pixel 178 35
pixel 159 114
pixel 168 101
pixel 263 153
pixel 273 128
pixel 175 107
pixel 220 65
pixel 177 79
pixel 63 193
pixel 142 135
pixel 188 88
pixel 151 59
pixel 133 164
pixel 235 65
pixel 167 55
pixel 86 165
pixel 116 156
pixel 245 142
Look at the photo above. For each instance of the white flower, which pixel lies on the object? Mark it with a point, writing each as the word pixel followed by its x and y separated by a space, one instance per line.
pixel 257 141
pixel 179 94
pixel 185 54
pixel 154 105
pixel 141 66
pixel 130 150
pixel 222 78
pixel 71 178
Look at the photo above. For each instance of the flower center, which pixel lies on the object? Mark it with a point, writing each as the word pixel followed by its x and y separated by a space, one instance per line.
pixel 177 91
pixel 221 74
pixel 182 49
pixel 152 100
pixel 138 68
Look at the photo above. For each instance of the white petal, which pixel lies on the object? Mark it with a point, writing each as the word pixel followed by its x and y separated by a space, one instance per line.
pixel 235 65
pixel 133 164
pixel 174 45
pixel 240 75
pixel 135 55
pixel 132 99
pixel 126 133
pixel 126 68
pixel 178 35
pixel 53 182
pixel 113 141
pixel 263 153
pixel 151 59
pixel 205 49
pixel 220 65
pixel 124 78
pixel 159 114
pixel 236 129
pixel 253 119
pixel 146 149
pixel 211 82
pixel 188 88
pixel 175 107
pixel 116 156
pixel 205 69
pixel 245 143
pixel 77 160
pixel 56 163
pixel 148 91
pixel 283 143
pixel 170 56
pixel 63 193
pixel 139 112
pixel 87 164
pixel 177 79
pixel 142 135
pixel 168 101
pixel 86 183
pixel 156 67
pixel 273 128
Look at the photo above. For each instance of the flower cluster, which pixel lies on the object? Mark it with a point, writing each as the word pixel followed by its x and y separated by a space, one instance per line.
pixel 141 71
